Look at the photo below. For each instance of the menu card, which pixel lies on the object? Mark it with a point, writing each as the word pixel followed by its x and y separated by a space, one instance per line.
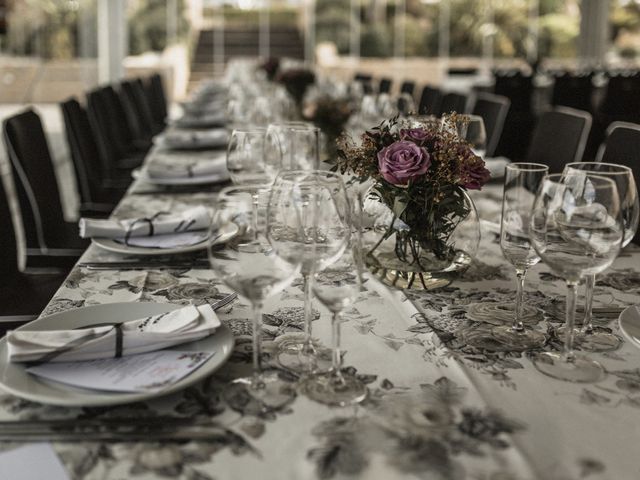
pixel 146 372
pixel 35 461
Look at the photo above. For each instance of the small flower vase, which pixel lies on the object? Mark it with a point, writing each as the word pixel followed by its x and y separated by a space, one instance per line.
pixel 402 257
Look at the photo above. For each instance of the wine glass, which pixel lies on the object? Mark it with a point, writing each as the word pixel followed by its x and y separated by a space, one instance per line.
pixel 300 147
pixel 245 157
pixel 337 287
pixel 278 144
pixel 471 128
pixel 252 268
pixel 577 230
pixel 308 220
pixel 521 182
pixel 589 338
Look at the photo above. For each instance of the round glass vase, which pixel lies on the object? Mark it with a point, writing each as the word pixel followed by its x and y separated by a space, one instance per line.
pixel 396 257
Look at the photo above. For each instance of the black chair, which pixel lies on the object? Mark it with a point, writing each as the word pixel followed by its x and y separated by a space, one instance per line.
pixel 452 102
pixel 385 85
pixel 131 139
pixel 46 231
pixel 493 109
pixel 430 101
pixel 157 101
pixel 573 90
pixel 622 146
pixel 135 102
pixel 23 296
pixel 97 186
pixel 106 125
pixel 366 81
pixel 559 137
pixel 408 87
pixel 518 88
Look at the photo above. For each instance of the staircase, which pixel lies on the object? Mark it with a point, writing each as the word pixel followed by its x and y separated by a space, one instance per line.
pixel 241 41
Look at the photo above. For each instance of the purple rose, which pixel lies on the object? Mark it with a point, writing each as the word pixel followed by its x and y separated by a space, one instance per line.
pixel 473 174
pixel 417 135
pixel 402 162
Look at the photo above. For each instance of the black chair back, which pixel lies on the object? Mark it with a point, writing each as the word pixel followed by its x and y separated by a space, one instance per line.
pixel 123 131
pixel 517 87
pixel 101 125
pixel 36 184
pixel 573 90
pixel 493 109
pixel 136 110
pixel 452 102
pixel 157 100
pixel 385 85
pixel 430 101
pixel 8 244
pixel 622 146
pixel 408 87
pixel 91 171
pixel 559 137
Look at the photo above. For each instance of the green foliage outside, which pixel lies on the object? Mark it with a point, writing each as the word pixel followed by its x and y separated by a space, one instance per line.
pixel 49 28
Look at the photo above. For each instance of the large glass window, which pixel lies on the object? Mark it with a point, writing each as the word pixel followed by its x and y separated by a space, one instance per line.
pixel 625 29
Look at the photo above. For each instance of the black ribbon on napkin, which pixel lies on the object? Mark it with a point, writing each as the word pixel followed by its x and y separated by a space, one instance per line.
pixel 148 221
pixel 118 344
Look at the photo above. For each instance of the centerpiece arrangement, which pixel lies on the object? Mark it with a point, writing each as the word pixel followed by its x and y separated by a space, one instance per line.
pixel 296 81
pixel 425 226
pixel 330 114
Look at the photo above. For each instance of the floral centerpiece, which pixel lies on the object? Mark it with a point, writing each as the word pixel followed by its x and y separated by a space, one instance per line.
pixel 270 66
pixel 330 114
pixel 421 173
pixel 296 81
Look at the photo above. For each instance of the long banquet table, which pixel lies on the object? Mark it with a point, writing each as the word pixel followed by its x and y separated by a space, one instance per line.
pixel 437 408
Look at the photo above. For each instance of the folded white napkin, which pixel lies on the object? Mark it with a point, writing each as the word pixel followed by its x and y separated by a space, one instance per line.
pixel 176 138
pixel 167 167
pixel 129 338
pixel 196 218
pixel 201 120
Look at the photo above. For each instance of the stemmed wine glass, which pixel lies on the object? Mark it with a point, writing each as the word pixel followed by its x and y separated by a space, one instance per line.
pixel 471 128
pixel 252 268
pixel 588 337
pixel 337 286
pixel 293 146
pixel 245 157
pixel 308 223
pixel 577 230
pixel 521 183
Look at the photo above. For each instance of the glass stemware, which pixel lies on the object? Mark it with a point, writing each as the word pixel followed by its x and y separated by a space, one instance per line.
pixel 589 338
pixel 337 287
pixel 471 128
pixel 577 230
pixel 252 268
pixel 521 183
pixel 245 157
pixel 293 146
pixel 308 223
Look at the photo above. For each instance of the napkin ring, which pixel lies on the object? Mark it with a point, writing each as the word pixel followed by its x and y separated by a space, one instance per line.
pixel 146 220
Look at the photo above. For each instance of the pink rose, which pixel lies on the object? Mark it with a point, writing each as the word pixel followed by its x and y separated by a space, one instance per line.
pixel 403 161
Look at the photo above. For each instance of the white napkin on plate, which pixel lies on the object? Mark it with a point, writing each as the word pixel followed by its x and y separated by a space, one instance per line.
pixel 138 336
pixel 167 168
pixel 177 138
pixel 194 120
pixel 192 219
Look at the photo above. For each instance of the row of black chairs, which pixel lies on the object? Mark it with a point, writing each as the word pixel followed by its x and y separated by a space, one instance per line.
pixel 492 108
pixel 107 137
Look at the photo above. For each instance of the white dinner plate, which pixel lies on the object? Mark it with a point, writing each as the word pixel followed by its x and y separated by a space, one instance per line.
pixel 16 380
pixel 225 233
pixel 629 321
pixel 142 174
